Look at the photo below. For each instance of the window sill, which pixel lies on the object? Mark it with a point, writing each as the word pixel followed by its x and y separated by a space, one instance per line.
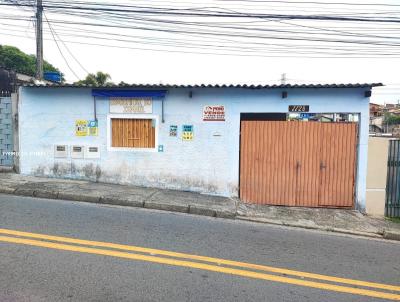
pixel 125 149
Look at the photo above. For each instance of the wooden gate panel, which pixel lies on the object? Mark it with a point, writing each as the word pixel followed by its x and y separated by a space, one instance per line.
pixel 283 188
pixel 307 154
pixel 338 158
pixel 264 162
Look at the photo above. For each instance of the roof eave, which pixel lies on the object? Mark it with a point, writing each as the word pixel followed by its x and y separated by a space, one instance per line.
pixel 243 86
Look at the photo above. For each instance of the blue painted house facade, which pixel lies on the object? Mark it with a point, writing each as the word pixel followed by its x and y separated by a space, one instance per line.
pixel 175 137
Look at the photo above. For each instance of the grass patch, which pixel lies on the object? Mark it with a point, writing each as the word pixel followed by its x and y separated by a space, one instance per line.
pixel 394 219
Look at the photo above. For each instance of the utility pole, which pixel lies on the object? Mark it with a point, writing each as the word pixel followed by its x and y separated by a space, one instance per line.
pixel 39 40
pixel 283 79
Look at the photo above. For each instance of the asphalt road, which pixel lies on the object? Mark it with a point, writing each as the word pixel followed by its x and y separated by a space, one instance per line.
pixel 54 273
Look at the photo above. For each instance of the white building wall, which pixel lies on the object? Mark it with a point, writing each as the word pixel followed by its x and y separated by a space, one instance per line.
pixel 208 164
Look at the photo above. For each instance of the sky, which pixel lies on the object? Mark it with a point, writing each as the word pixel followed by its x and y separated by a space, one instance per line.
pixel 173 64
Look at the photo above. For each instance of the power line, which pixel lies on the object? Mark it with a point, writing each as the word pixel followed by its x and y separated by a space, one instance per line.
pixel 225 43
pixel 228 34
pixel 59 49
pixel 221 53
pixel 181 12
pixel 66 47
pixel 204 33
pixel 255 29
pixel 314 2
pixel 205 5
pixel 251 40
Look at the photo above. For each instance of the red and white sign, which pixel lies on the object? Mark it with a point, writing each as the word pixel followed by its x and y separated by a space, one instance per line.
pixel 214 113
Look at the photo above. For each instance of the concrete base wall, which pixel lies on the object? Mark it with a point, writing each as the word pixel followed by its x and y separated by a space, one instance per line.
pixel 376 176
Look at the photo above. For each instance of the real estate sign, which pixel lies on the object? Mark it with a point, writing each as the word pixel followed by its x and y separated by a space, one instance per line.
pixel 214 113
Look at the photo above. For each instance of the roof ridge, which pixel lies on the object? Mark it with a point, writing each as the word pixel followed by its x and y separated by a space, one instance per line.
pixel 251 86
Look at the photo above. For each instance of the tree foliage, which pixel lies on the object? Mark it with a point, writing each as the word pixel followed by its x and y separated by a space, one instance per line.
pixel 14 59
pixel 96 79
pixel 392 119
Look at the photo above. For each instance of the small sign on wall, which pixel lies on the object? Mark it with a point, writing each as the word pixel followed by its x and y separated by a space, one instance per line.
pixel 131 105
pixel 173 130
pixel 214 113
pixel 93 128
pixel 81 127
pixel 187 132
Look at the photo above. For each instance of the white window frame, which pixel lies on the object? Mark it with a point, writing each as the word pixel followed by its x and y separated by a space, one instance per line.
pixel 132 116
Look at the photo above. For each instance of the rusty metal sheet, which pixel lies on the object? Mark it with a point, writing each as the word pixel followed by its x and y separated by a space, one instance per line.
pixel 338 158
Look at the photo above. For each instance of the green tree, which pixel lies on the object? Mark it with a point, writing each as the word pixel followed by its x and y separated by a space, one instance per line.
pixel 96 79
pixel 391 119
pixel 14 59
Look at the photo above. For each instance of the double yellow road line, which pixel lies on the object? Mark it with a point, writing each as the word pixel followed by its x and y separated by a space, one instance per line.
pixel 255 271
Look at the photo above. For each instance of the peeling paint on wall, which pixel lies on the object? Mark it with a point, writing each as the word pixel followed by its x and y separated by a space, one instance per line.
pixel 93 172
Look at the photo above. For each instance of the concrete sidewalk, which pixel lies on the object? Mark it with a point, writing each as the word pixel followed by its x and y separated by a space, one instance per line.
pixel 332 220
pixel 343 221
pixel 80 190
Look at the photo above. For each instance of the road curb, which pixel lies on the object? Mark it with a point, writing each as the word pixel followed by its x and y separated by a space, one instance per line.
pixel 391 235
pixel 7 190
pixel 203 211
pixel 166 207
pixel 225 214
pixel 121 202
pixel 45 194
pixel 24 192
pixel 78 197
pixel 111 200
pixel 309 227
pixel 191 209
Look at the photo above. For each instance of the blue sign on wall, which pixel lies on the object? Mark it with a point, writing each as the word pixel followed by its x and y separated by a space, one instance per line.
pixel 187 132
pixel 187 128
pixel 305 115
pixel 93 128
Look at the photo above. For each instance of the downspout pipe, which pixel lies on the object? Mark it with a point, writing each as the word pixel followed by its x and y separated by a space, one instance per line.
pixel 95 108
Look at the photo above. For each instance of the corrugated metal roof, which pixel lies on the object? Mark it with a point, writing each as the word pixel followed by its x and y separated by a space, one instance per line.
pixel 246 86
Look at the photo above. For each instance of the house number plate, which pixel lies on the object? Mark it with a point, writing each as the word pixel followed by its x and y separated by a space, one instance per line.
pixel 299 108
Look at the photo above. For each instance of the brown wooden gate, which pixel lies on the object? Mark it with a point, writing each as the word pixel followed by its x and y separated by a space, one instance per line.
pixel 310 164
